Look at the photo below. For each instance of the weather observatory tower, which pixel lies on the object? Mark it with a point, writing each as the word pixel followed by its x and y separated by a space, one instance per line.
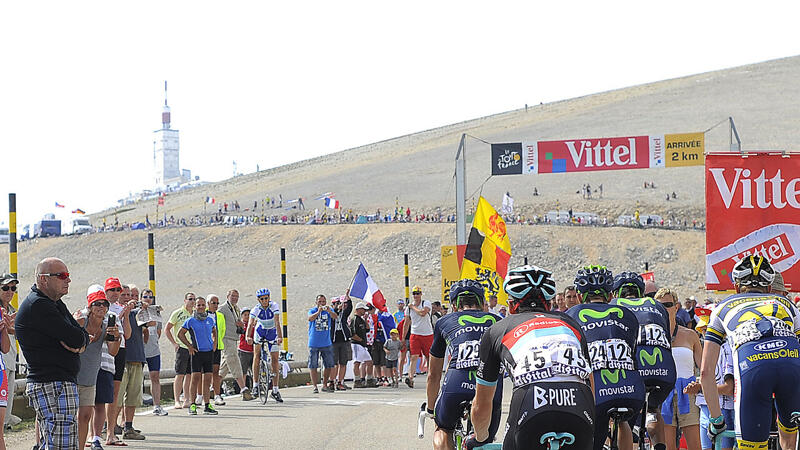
pixel 166 150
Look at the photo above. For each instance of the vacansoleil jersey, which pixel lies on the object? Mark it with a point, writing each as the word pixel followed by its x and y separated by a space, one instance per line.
pixel 265 316
pixel 612 332
pixel 744 318
pixel 461 333
pixel 533 347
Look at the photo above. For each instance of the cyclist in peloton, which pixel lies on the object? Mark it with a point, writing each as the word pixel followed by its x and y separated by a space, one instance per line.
pixel 546 356
pixel 612 332
pixel 265 317
pixel 762 329
pixel 461 333
pixel 653 351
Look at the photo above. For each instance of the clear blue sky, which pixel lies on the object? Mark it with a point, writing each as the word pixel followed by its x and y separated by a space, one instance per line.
pixel 270 83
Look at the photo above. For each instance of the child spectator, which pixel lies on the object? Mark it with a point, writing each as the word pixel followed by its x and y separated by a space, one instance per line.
pixel 392 348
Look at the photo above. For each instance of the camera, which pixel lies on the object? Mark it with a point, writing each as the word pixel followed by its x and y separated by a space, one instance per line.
pixel 112 322
pixel 239 330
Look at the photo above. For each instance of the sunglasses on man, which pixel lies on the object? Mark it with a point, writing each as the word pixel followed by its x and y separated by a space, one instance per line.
pixel 115 290
pixel 59 275
pixel 103 304
pixel 9 288
pixel 148 297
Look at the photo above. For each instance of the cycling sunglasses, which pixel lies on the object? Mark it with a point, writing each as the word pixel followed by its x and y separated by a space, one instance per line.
pixel 59 275
pixel 7 288
pixel 667 304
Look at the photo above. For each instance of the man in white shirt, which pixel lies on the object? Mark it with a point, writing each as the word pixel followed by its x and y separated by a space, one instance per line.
pixel 418 311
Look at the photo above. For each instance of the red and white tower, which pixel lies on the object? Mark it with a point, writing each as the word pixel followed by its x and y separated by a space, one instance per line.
pixel 166 149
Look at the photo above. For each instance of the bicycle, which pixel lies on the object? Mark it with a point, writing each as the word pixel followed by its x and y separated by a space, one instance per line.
pixel 618 415
pixel 265 373
pixel 793 421
pixel 463 428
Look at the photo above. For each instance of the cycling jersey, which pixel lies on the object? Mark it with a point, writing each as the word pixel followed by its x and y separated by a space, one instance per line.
pixel 460 334
pixel 653 353
pixel 548 359
pixel 762 330
pixel 612 332
pixel 265 320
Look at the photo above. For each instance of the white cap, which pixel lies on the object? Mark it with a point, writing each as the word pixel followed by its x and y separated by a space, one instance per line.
pixel 361 305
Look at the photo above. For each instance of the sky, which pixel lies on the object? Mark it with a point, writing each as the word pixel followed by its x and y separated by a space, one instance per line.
pixel 269 83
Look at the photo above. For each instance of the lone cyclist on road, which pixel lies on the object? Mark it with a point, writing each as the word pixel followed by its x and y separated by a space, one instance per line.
pixel 547 359
pixel 762 329
pixel 461 333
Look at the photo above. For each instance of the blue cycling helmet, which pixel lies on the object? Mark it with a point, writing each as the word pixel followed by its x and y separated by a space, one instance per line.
pixel 629 279
pixel 262 292
pixel 594 280
pixel 465 287
pixel 525 282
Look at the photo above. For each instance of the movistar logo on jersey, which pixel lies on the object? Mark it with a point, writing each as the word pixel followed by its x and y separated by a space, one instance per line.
pixel 598 314
pixel 635 301
pixel 611 376
pixel 476 320
pixel 650 358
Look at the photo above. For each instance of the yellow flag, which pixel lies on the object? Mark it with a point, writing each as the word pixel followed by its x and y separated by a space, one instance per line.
pixel 488 251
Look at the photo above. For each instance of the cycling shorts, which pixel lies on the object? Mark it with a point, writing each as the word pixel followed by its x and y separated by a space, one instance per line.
pixel 615 389
pixel 657 369
pixel 545 407
pixel 458 387
pixel 269 336
pixel 765 367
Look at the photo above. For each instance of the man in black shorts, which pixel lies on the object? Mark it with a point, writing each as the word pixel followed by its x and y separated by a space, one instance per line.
pixel 203 343
pixel 547 358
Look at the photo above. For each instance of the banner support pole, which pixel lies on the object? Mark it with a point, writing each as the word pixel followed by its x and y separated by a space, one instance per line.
pixel 461 192
pixel 284 315
pixel 405 264
pixel 12 243
pixel 151 263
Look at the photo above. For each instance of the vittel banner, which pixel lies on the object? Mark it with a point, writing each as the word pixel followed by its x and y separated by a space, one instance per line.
pixel 752 207
pixel 584 155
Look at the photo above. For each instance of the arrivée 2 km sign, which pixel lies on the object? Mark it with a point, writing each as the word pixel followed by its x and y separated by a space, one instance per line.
pixel 582 155
pixel 752 206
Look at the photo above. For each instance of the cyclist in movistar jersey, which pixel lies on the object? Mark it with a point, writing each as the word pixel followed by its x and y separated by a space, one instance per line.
pixel 546 356
pixel 612 332
pixel 653 350
pixel 460 333
pixel 265 318
pixel 762 329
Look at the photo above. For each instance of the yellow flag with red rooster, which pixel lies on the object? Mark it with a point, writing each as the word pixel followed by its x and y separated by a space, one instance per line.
pixel 488 251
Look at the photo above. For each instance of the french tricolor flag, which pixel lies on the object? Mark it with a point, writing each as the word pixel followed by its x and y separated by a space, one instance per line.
pixel 364 287
pixel 331 203
pixel 210 200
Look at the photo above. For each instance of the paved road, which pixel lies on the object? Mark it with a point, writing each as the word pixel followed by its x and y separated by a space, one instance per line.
pixel 362 418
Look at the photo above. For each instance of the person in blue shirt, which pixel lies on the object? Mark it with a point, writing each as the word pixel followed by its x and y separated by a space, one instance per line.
pixel 320 321
pixel 203 335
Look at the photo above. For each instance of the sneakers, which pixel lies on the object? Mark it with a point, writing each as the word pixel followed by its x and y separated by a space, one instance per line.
pixel 331 386
pixel 209 410
pixel 255 390
pixel 277 396
pixel 193 409
pixel 316 390
pixel 358 384
pixel 218 401
pixel 371 383
pixel 96 445
pixel 246 394
pixel 132 435
pixel 341 387
pixel 409 382
pixel 159 411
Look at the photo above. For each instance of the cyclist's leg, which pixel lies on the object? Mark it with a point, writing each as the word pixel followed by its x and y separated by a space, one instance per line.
pixel 787 401
pixel 256 360
pixel 753 407
pixel 455 389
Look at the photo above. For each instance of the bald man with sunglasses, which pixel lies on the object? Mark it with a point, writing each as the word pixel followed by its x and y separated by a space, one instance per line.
pixel 52 341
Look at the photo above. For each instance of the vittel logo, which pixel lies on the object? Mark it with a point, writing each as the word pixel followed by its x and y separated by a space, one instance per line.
pixel 589 154
pixel 770 345
pixel 764 190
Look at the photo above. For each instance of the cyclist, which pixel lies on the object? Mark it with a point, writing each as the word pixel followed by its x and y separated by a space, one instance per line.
pixel 653 350
pixel 762 329
pixel 546 356
pixel 612 332
pixel 265 319
pixel 460 333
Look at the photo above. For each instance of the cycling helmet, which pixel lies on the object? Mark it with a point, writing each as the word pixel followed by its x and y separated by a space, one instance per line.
pixel 596 280
pixel 632 279
pixel 465 287
pixel 753 270
pixel 530 285
pixel 262 292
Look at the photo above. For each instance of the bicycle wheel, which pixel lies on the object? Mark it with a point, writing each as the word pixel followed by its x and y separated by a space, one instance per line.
pixel 263 382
